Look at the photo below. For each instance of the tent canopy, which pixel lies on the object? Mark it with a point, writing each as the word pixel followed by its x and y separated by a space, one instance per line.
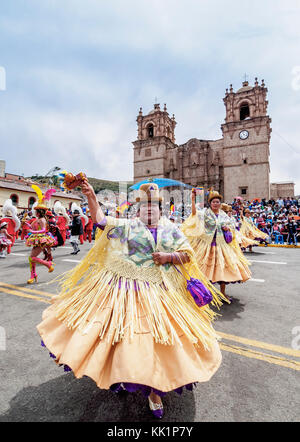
pixel 161 182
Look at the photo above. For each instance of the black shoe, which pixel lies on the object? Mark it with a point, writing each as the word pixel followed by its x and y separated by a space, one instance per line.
pixel 75 253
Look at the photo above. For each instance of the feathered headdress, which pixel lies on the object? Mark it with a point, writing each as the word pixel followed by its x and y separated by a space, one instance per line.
pixel 42 198
pixel 10 210
pixel 59 208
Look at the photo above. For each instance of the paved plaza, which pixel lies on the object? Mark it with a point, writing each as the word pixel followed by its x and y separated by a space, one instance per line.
pixel 257 381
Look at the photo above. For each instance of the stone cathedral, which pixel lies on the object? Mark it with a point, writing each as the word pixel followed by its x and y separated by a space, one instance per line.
pixel 235 165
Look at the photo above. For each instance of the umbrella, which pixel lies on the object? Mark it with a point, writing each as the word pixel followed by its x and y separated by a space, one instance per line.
pixel 161 182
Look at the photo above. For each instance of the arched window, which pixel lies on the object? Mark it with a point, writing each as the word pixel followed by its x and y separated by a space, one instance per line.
pixel 150 130
pixel 244 111
pixel 31 201
pixel 15 199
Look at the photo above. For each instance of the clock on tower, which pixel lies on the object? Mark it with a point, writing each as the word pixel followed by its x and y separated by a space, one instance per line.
pixel 246 142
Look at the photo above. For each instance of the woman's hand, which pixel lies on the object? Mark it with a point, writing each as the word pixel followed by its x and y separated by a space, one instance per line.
pixel 87 189
pixel 225 228
pixel 95 210
pixel 161 258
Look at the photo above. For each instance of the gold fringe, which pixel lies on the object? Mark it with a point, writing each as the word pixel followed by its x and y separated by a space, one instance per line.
pixel 120 297
pixel 115 291
pixel 229 255
pixel 251 231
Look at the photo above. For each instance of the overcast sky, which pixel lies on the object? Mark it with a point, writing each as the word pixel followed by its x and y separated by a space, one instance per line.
pixel 73 74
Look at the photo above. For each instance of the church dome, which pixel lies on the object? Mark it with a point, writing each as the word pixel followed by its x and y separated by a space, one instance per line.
pixel 156 109
pixel 245 87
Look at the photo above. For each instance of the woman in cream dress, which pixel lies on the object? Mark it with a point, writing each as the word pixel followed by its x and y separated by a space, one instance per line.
pixel 209 234
pixel 124 316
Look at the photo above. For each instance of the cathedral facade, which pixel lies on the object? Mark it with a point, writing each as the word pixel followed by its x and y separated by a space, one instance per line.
pixel 235 165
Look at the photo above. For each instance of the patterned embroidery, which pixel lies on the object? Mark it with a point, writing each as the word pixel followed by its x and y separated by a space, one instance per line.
pixel 139 242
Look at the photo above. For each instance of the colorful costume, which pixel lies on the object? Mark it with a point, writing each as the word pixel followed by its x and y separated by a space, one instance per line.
pixel 40 239
pixel 5 242
pixel 218 257
pixel 11 218
pixel 88 230
pixel 249 230
pixel 238 237
pixel 24 226
pixel 62 220
pixel 122 319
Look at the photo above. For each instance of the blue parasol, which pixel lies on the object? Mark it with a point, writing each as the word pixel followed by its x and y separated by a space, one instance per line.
pixel 161 182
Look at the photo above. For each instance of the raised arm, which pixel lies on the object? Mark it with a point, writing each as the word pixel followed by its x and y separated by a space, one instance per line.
pixel 194 211
pixel 95 209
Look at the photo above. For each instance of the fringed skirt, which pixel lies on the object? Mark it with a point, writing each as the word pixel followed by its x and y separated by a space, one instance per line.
pixel 253 233
pixel 221 263
pixel 245 241
pixel 131 334
pixel 40 240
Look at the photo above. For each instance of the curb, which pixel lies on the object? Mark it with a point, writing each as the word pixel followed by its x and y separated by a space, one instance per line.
pixel 280 245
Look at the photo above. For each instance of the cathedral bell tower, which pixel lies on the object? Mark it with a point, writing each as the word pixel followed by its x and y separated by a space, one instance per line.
pixel 155 136
pixel 246 142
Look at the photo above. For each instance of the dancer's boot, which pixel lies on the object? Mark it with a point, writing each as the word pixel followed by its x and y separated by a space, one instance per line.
pixel 48 264
pixel 33 275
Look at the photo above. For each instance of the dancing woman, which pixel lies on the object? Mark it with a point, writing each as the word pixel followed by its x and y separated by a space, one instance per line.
pixel 209 234
pixel 249 229
pixel 38 237
pixel 5 239
pixel 125 317
pixel 238 237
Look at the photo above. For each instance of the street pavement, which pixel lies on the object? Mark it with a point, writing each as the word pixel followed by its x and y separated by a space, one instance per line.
pixel 258 380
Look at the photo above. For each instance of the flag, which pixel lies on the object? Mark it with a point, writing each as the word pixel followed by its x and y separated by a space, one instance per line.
pixel 124 206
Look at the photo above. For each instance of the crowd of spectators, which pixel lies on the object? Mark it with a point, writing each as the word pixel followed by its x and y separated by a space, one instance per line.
pixel 280 218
